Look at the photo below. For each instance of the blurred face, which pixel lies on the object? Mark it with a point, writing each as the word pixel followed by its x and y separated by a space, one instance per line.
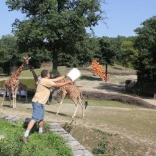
pixel 48 75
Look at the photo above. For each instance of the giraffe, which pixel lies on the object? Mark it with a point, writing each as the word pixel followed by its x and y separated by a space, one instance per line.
pixel 36 78
pixel 74 93
pixel 12 83
pixel 22 87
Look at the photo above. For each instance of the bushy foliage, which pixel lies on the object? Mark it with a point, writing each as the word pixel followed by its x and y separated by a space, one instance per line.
pixel 49 144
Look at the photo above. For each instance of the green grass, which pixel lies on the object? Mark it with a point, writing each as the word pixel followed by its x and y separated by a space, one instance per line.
pixel 30 83
pixel 49 144
pixel 105 103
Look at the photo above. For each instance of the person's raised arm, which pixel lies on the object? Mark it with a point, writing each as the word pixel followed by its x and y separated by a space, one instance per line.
pixel 58 78
pixel 63 83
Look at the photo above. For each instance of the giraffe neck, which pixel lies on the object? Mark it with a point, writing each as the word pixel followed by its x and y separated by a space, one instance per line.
pixel 35 76
pixel 16 74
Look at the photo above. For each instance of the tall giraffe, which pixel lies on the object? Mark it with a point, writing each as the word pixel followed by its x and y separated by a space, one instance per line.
pixel 74 93
pixel 36 78
pixel 12 83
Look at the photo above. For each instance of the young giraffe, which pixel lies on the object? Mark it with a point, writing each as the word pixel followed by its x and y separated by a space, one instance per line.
pixel 74 93
pixel 36 78
pixel 22 87
pixel 12 83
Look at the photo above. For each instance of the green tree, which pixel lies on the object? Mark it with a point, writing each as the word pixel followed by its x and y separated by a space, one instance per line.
pixel 127 53
pixel 84 53
pixel 53 26
pixel 86 50
pixel 8 52
pixel 146 44
pixel 106 54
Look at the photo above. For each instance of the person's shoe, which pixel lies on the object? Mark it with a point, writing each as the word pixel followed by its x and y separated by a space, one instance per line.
pixel 25 139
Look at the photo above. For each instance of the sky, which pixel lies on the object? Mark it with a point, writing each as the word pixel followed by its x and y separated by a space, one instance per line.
pixel 123 16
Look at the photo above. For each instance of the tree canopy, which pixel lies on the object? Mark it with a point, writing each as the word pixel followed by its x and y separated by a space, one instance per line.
pixel 53 26
pixel 146 44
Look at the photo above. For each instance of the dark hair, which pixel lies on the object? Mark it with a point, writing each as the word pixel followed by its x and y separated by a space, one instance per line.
pixel 44 73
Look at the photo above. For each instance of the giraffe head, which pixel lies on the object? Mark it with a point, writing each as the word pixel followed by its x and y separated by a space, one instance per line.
pixel 26 59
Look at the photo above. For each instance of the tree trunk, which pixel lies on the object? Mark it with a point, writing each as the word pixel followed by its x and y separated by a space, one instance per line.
pixel 55 59
pixel 106 70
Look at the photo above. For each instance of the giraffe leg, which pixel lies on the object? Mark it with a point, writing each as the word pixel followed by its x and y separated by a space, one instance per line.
pixel 75 111
pixel 82 106
pixel 76 103
pixel 15 94
pixel 63 96
pixel 13 100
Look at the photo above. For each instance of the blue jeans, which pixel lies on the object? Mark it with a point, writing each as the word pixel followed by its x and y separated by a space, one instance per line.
pixel 38 111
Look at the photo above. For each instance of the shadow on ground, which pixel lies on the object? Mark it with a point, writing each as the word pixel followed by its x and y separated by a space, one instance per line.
pixel 84 77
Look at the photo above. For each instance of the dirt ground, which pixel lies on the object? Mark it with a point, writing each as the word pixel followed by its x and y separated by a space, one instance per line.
pixel 83 127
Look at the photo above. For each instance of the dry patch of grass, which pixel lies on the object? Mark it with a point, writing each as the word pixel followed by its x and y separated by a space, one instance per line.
pixel 102 143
